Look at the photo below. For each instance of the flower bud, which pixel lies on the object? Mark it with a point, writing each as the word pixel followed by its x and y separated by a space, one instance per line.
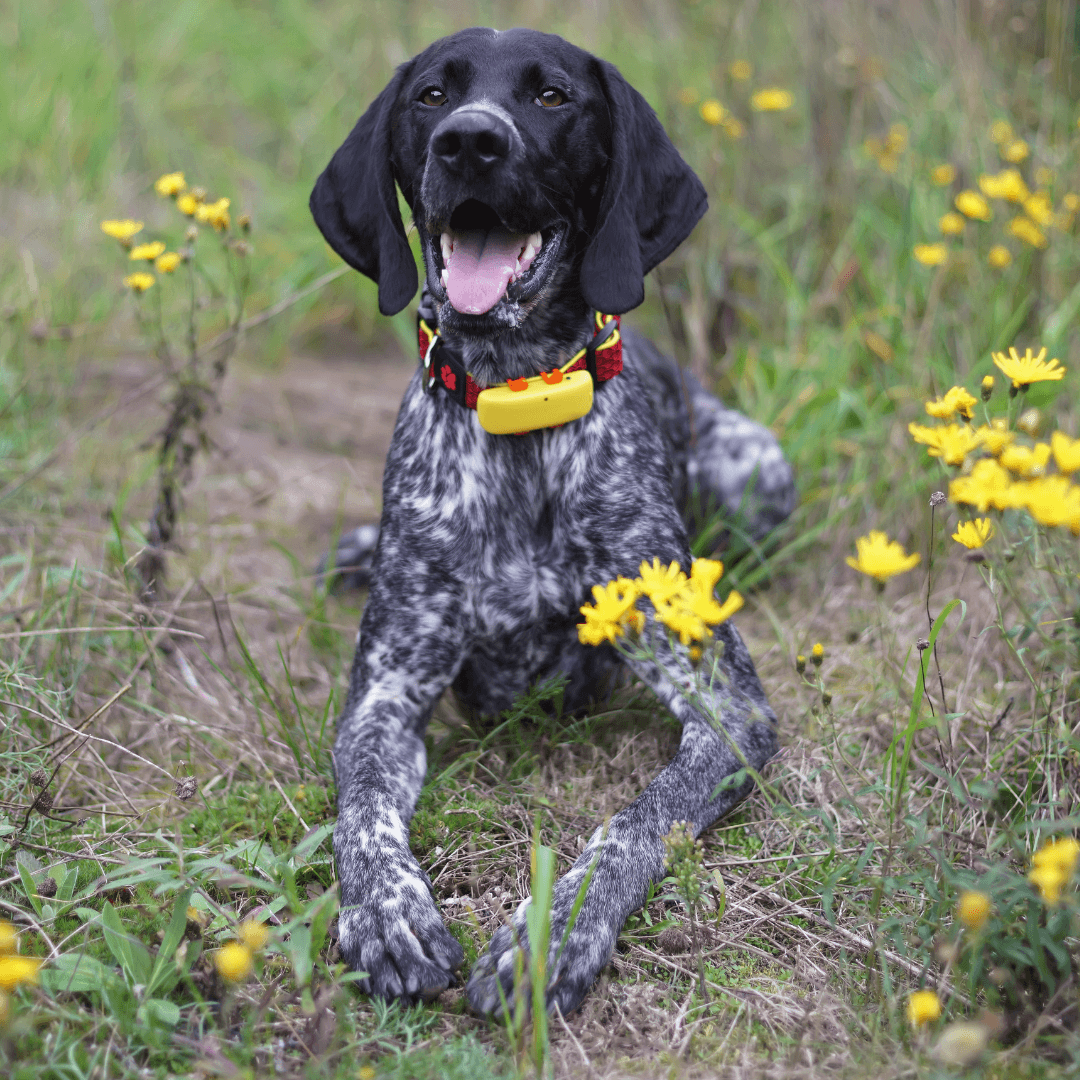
pixel 800 663
pixel 817 654
pixel 987 387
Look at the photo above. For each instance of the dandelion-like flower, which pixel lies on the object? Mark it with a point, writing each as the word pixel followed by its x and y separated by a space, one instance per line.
pixel 1052 501
pixel 121 230
pixel 1066 452
pixel 923 1007
pixel 612 612
pixel 1000 132
pixel 139 282
pixel 974 534
pixel 973 908
pixel 999 256
pixel 9 939
pixel 987 387
pixel 943 175
pixel 931 254
pixel 215 213
pixel 1015 151
pixel 741 70
pixel 987 485
pixel 170 184
pixel 951 224
pixel 952 443
pixel 234 961
pixel 712 112
pixel 1007 184
pixel 147 252
pixel 956 400
pixel 881 558
pixel 1039 208
pixel 188 204
pixel 1027 369
pixel 1025 229
pixel 16 970
pixel 971 204
pixel 659 582
pixel 772 99
pixel 167 263
pixel 1026 460
pixel 733 127
pixel 253 934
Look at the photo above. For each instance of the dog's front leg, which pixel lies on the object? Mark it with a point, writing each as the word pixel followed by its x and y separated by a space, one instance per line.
pixel 389 925
pixel 631 855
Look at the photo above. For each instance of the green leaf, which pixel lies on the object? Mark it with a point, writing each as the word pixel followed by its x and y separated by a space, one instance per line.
pixel 163 1011
pixel 75 973
pixel 29 887
pixel 174 934
pixel 131 954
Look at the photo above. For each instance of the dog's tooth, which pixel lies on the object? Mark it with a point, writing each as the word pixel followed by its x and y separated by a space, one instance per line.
pixel 443 276
pixel 447 243
pixel 536 242
pixel 529 251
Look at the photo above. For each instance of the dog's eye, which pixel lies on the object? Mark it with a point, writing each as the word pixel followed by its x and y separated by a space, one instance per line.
pixel 550 98
pixel 434 97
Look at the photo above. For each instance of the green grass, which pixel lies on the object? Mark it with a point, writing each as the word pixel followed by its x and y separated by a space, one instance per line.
pixel 829 896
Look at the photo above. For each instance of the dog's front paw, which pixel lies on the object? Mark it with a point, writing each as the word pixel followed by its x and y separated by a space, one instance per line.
pixel 571 968
pixel 393 932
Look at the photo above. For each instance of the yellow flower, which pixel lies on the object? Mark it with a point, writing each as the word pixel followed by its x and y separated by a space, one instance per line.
pixel 817 653
pixel 234 962
pixel 997 436
pixel 741 70
pixel 139 282
pixel 612 612
pixel 987 485
pixel 16 970
pixel 712 112
pixel 923 1007
pixel 170 184
pixel 1071 202
pixel 931 254
pixel 1052 501
pixel 1000 131
pixel 1007 184
pixel 147 252
pixel 121 230
pixel 1066 452
pixel 167 263
pixel 1039 208
pixel 366 1073
pixel 772 99
pixel 1025 229
pixel 9 939
pixel 661 583
pixel 881 558
pixel 253 934
pixel 957 400
pixel 888 163
pixel 733 127
pixel 1049 881
pixel 897 138
pixel 962 1043
pixel 187 204
pixel 971 204
pixel 974 534
pixel 943 175
pixel 987 387
pixel 1015 151
pixel 973 908
pixel 951 224
pixel 952 443
pixel 688 95
pixel 1026 460
pixel 1061 854
pixel 215 213
pixel 1027 369
pixel 999 257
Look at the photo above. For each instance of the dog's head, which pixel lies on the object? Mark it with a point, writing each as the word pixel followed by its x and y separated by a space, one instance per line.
pixel 529 165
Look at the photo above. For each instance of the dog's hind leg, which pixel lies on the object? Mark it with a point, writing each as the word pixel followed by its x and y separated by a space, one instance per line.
pixel 353 559
pixel 630 856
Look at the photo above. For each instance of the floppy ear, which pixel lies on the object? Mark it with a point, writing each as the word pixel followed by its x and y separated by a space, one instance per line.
pixel 651 201
pixel 355 205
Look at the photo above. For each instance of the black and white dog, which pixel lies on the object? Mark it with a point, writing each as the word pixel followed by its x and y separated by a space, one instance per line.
pixel 543 189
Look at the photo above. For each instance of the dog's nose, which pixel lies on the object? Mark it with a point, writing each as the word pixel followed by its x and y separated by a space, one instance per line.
pixel 472 141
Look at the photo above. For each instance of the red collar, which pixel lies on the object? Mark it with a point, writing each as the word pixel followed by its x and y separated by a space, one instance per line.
pixel 602 358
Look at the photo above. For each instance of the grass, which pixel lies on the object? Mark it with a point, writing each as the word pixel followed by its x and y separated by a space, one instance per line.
pixel 827 897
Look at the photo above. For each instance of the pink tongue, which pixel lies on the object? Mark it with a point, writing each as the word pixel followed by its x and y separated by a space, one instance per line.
pixel 479 268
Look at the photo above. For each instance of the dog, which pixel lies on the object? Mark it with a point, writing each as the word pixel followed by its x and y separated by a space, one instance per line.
pixel 543 188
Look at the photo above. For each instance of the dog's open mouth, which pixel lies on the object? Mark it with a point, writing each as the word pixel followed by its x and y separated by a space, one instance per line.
pixel 479 261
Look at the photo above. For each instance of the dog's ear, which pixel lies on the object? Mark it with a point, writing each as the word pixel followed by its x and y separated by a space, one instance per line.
pixel 650 203
pixel 355 204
